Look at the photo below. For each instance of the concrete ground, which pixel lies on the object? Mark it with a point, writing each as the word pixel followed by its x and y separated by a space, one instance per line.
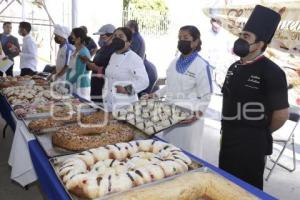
pixel 282 184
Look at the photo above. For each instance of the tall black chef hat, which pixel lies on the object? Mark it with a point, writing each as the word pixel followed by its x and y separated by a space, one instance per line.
pixel 263 23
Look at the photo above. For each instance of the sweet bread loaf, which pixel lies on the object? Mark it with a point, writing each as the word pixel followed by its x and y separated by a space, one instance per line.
pixel 76 138
pixel 36 126
pixel 191 186
pixel 96 118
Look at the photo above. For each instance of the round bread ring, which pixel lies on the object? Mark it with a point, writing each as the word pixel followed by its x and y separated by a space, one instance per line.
pixel 96 118
pixel 76 138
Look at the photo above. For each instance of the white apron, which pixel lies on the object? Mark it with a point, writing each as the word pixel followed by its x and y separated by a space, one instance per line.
pixel 187 137
pixel 191 90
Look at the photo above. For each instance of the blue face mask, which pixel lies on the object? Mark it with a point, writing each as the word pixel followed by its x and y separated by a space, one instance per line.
pixel 102 43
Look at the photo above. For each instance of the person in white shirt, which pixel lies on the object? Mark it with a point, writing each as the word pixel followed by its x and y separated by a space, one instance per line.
pixel 125 74
pixel 61 34
pixel 28 55
pixel 217 50
pixel 188 85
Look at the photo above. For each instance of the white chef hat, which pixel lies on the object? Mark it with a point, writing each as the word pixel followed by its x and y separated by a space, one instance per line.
pixel 62 31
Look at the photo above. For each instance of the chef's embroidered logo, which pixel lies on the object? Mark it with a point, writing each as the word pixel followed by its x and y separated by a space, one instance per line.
pixel 253 82
pixel 191 74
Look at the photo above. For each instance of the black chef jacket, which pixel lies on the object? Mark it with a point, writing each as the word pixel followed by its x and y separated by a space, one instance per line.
pixel 251 92
pixel 101 58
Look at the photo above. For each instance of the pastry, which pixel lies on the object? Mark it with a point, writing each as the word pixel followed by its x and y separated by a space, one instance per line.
pixel 80 138
pixel 120 167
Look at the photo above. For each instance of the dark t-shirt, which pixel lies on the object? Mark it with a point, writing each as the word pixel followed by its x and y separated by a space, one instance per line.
pixel 251 92
pixel 152 75
pixel 101 59
pixel 90 44
pixel 138 45
pixel 5 42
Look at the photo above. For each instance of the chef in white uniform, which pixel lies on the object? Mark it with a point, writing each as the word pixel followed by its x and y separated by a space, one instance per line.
pixel 188 85
pixel 61 34
pixel 125 74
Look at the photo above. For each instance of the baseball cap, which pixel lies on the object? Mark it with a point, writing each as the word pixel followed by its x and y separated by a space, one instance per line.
pixel 107 28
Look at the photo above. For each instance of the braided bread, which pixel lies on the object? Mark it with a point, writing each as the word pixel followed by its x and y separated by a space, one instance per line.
pixel 115 168
pixel 77 138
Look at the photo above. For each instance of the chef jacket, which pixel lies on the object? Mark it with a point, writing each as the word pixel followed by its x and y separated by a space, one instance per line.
pixel 192 89
pixel 124 69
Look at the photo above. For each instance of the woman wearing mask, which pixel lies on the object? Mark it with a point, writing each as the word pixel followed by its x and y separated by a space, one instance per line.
pixel 125 74
pixel 77 74
pixel 188 85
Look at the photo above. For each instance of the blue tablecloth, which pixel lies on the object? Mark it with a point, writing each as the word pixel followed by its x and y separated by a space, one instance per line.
pixel 48 180
pixel 5 110
pixel 52 187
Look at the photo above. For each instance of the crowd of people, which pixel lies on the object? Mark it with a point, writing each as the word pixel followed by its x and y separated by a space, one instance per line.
pixel 118 73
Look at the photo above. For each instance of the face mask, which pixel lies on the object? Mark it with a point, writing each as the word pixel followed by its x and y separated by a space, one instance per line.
pixel 102 43
pixel 118 44
pixel 56 40
pixel 241 47
pixel 71 41
pixel 184 47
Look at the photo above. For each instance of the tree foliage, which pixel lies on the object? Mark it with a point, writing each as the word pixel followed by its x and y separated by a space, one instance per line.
pixel 152 15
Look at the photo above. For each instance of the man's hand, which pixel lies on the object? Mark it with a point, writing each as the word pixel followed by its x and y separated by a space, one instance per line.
pixel 92 66
pixel 84 59
pixel 149 96
pixel 121 89
pixel 13 48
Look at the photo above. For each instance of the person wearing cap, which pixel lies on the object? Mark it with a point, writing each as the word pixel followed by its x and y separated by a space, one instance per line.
pixel 64 53
pixel 255 100
pixel 105 32
pixel 89 43
pixel 138 43
pixel 100 61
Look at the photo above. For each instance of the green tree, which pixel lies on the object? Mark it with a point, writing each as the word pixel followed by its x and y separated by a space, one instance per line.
pixel 152 15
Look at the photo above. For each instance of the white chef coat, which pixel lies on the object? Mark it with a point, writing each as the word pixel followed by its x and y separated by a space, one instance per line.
pixel 63 58
pixel 217 48
pixel 124 69
pixel 28 56
pixel 191 90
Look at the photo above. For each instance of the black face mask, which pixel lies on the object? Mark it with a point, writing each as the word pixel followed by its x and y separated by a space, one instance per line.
pixel 71 41
pixel 241 47
pixel 184 47
pixel 118 44
pixel 56 40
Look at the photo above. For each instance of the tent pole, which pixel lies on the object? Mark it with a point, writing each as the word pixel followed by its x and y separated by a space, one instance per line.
pixel 74 13
pixel 6 7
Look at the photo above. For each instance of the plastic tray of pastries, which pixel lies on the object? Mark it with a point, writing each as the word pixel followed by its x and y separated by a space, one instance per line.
pixel 55 161
pixel 152 116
